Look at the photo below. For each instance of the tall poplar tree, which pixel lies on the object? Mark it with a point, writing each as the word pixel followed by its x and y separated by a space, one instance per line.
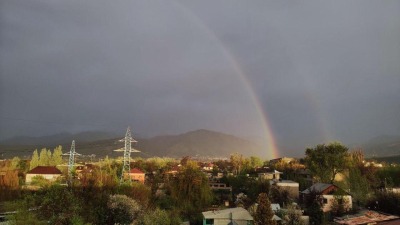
pixel 49 158
pixel 35 160
pixel 43 159
pixel 57 158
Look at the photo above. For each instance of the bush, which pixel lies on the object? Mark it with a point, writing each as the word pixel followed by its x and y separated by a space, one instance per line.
pixel 123 209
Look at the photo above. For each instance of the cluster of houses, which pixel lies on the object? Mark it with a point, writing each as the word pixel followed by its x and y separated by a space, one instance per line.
pixel 238 215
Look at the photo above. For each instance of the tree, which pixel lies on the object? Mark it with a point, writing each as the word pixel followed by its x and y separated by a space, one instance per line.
pixel 326 161
pixel 44 159
pixel 57 158
pixel 237 162
pixel 123 209
pixel 280 195
pixel 191 191
pixel 50 161
pixel 256 187
pixel 293 216
pixel 315 213
pixel 256 161
pixel 35 160
pixel 15 162
pixel 157 216
pixel 264 211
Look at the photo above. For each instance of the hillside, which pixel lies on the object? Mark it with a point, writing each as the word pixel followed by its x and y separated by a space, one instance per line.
pixel 199 142
pixel 384 145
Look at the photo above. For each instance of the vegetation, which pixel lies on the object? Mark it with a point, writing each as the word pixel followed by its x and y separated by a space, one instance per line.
pixel 264 213
pixel 94 196
pixel 326 161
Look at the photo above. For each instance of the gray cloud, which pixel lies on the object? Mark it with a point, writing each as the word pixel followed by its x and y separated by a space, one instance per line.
pixel 321 70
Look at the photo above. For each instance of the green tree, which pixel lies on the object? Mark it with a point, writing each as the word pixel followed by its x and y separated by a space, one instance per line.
pixel 15 162
pixel 123 209
pixel 315 213
pixel 256 161
pixel 35 160
pixel 264 211
pixel 191 191
pixel 50 158
pixel 293 216
pixel 157 216
pixel 57 158
pixel 326 161
pixel 44 159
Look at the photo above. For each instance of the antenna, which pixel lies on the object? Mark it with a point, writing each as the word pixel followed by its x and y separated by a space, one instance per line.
pixel 127 153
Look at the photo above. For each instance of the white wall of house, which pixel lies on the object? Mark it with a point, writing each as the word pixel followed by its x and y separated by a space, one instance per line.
pixel 28 178
pixel 327 205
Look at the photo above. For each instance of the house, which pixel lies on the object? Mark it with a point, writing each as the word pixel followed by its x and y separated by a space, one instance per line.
pixel 135 175
pixel 238 216
pixel 219 186
pixel 47 172
pixel 328 192
pixel 274 175
pixel 275 207
pixel 208 166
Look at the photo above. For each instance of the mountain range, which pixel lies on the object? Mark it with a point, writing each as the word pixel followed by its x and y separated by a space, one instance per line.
pixel 194 143
pixel 199 142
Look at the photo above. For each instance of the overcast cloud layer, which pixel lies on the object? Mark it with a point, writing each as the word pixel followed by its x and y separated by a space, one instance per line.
pixel 322 71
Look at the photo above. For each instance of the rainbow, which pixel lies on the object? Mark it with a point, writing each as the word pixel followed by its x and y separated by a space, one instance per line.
pixel 272 150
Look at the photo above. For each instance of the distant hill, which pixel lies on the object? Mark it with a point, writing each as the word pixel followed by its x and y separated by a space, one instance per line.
pixel 199 142
pixel 384 145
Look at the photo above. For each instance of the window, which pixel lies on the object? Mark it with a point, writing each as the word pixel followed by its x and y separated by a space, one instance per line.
pixel 209 221
pixel 325 201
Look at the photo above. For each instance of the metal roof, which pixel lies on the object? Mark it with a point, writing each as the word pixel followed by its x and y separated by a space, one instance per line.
pixel 232 213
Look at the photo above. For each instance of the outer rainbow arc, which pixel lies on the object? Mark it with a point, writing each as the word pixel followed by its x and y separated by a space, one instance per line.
pixel 272 149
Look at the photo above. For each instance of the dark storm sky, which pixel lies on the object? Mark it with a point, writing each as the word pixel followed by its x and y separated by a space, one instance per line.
pixel 322 70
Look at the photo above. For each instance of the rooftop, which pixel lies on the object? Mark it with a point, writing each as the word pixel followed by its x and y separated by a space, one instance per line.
pixel 134 170
pixel 232 213
pixel 366 217
pixel 318 187
pixel 44 170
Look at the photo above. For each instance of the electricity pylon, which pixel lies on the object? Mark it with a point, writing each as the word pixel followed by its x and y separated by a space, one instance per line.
pixel 127 153
pixel 71 162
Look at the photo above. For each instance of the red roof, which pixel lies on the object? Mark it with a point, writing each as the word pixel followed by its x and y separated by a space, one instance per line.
pixel 134 170
pixel 44 170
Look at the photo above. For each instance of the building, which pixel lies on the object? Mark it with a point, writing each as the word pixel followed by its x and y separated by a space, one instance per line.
pixel 219 186
pixel 208 166
pixel 47 172
pixel 328 193
pixel 230 216
pixel 274 175
pixel 136 175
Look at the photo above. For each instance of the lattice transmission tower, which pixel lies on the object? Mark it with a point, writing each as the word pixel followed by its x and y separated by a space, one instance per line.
pixel 127 153
pixel 71 161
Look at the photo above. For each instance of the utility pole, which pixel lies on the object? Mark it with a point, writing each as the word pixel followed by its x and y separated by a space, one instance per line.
pixel 127 153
